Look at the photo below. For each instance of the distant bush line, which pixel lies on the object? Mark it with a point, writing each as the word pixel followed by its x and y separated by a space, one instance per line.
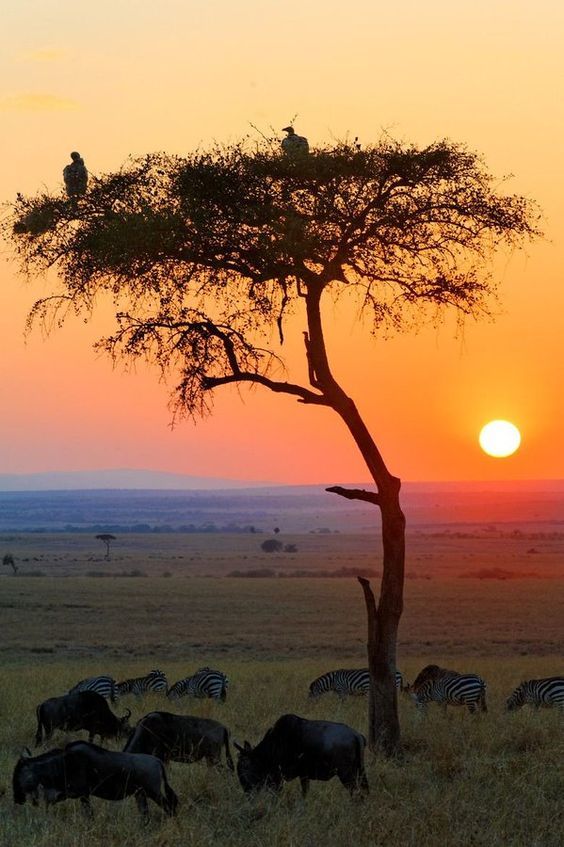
pixel 110 574
pixel 493 532
pixel 139 528
pixel 32 573
pixel 500 573
pixel 272 545
pixel 339 573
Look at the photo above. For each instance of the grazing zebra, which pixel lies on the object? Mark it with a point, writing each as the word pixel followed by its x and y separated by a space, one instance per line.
pixel 448 688
pixel 204 683
pixel 537 693
pixel 345 682
pixel 153 681
pixel 106 686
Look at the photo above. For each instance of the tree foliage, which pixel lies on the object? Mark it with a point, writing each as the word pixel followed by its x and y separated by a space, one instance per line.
pixel 272 545
pixel 204 255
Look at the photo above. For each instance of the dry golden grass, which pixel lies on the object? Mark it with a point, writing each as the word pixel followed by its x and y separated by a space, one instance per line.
pixel 178 617
pixel 494 780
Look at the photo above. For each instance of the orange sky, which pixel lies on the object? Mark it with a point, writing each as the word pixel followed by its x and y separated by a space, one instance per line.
pixel 131 76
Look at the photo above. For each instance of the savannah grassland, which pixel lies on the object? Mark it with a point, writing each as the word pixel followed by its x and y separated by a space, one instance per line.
pixel 493 779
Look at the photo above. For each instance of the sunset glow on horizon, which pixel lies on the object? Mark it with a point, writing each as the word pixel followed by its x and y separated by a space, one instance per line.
pixel 176 76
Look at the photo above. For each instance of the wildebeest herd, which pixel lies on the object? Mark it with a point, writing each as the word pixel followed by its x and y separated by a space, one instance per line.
pixel 293 748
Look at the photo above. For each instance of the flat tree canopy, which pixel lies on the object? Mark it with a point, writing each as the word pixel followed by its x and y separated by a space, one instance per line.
pixel 207 252
pixel 206 255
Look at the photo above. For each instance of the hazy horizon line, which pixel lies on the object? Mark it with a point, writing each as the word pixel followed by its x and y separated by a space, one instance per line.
pixel 147 479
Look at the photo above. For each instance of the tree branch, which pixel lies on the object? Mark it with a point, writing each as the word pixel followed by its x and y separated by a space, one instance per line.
pixel 370 601
pixel 303 395
pixel 355 494
pixel 376 739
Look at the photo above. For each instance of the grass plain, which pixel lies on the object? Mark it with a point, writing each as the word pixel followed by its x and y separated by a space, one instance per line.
pixel 493 779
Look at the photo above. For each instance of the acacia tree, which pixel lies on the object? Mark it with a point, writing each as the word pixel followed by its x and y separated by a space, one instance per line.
pixel 206 256
pixel 106 538
pixel 9 561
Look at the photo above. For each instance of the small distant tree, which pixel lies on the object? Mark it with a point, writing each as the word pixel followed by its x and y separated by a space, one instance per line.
pixel 106 539
pixel 9 561
pixel 276 530
pixel 207 255
pixel 271 545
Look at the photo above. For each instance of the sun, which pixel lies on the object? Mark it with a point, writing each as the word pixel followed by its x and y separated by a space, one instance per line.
pixel 499 439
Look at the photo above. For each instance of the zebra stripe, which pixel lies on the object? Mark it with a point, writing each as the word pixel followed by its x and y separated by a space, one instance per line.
pixel 345 682
pixel 154 681
pixel 106 686
pixel 537 693
pixel 204 683
pixel 449 688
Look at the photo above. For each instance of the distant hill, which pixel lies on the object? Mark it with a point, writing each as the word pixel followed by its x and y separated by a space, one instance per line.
pixel 148 480
pixel 118 479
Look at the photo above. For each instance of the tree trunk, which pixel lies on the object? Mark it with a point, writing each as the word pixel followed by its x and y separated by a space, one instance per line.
pixel 383 622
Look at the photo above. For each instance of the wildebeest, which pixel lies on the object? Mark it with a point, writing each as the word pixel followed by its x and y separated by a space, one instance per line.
pixel 83 770
pixel 297 747
pixel 81 710
pixel 428 672
pixel 28 780
pixel 180 738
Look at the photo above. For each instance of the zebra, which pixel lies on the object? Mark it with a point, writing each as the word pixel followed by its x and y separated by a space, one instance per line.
pixel 104 685
pixel 345 682
pixel 154 681
pixel 537 693
pixel 448 688
pixel 206 682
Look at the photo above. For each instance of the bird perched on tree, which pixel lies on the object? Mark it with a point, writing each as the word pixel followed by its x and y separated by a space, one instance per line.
pixel 75 176
pixel 294 145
